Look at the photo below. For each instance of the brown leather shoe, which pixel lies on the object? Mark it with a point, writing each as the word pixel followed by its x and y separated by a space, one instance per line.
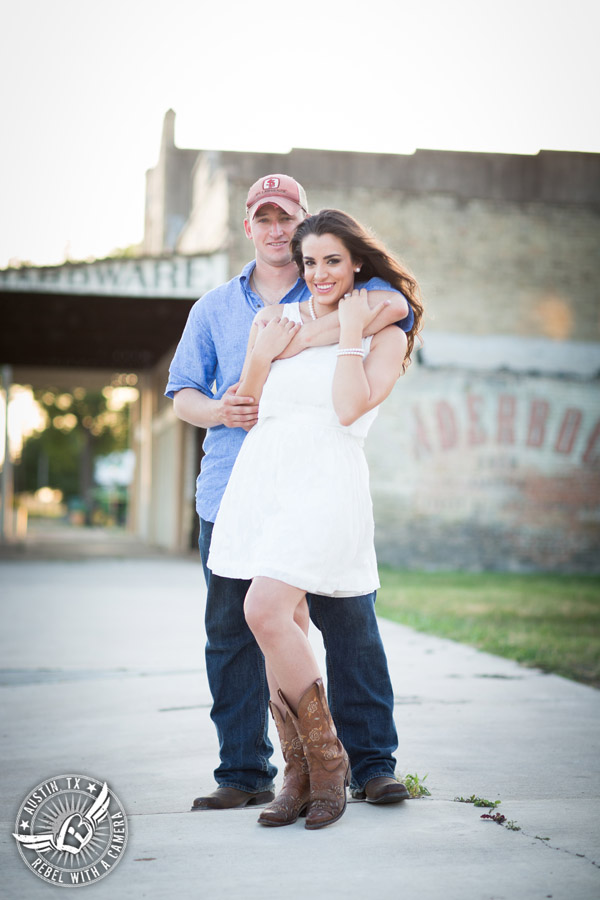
pixel 383 789
pixel 231 798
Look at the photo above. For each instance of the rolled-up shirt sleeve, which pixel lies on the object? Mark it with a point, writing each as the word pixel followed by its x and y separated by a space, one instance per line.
pixel 378 284
pixel 194 364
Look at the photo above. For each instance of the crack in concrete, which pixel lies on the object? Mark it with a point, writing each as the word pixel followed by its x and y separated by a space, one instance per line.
pixel 545 843
pixel 25 677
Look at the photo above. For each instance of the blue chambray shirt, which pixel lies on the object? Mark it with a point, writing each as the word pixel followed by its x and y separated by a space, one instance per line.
pixel 209 358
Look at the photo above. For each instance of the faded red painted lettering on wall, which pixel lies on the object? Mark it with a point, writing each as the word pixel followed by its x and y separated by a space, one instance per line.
pixel 447 425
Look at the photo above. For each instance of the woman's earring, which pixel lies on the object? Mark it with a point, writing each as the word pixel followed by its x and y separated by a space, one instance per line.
pixel 357 269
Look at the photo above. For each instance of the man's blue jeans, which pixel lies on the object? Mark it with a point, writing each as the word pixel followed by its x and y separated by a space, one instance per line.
pixel 359 689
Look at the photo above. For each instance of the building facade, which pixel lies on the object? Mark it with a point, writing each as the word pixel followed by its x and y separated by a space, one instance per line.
pixel 487 453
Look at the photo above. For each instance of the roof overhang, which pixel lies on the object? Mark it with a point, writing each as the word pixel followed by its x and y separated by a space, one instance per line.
pixel 110 314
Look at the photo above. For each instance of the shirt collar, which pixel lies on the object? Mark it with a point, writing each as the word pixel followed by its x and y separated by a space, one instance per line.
pixel 247 272
pixel 253 298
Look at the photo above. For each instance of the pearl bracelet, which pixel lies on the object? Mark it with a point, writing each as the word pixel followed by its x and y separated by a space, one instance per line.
pixel 351 351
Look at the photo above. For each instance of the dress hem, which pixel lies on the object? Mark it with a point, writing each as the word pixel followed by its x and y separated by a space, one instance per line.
pixel 290 579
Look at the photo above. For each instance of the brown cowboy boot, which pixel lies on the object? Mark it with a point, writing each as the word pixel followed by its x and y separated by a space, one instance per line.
pixel 328 762
pixel 292 799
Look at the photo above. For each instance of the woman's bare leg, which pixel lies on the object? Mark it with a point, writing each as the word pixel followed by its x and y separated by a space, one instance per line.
pixel 278 617
pixel 302 619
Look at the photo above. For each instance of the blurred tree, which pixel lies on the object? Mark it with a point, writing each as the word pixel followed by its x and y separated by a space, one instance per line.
pixel 81 426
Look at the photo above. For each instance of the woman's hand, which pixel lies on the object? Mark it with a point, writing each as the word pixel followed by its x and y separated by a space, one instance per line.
pixel 273 337
pixel 355 312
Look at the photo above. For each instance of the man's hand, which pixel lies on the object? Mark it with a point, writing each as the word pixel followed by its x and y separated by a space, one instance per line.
pixel 237 412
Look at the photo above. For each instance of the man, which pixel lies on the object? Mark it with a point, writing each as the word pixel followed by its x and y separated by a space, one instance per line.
pixel 211 352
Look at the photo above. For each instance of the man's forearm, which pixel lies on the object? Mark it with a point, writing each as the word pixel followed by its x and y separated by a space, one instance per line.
pixel 196 408
pixel 395 311
pixel 320 333
pixel 231 410
pixel 326 329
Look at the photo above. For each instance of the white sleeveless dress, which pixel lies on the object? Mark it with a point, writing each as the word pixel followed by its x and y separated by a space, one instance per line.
pixel 297 506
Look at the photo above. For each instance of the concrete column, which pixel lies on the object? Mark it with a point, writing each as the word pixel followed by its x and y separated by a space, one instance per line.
pixel 145 456
pixel 6 481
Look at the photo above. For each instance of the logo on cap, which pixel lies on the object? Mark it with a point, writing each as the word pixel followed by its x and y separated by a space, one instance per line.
pixel 284 191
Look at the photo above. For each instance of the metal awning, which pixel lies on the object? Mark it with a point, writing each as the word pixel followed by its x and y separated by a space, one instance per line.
pixel 121 333
pixel 118 314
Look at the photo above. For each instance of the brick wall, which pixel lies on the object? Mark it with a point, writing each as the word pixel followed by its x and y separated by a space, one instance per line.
pixel 487 471
pixel 485 266
pixel 472 466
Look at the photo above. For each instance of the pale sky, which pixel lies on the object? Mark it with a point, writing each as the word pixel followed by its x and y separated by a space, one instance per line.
pixel 84 86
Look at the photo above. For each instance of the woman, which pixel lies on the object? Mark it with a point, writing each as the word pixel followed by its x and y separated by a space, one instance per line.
pixel 297 514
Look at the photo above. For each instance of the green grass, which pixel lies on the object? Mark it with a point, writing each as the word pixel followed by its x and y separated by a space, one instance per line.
pixel 551 622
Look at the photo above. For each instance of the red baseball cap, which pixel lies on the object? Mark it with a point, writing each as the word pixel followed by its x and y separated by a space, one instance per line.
pixel 282 190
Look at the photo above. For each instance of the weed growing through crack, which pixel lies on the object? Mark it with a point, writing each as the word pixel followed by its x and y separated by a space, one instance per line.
pixel 497 817
pixel 478 801
pixel 415 786
pixel 502 820
pixel 490 804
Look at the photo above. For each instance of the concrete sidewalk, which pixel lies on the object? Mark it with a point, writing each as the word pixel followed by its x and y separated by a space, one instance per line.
pixel 103 675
